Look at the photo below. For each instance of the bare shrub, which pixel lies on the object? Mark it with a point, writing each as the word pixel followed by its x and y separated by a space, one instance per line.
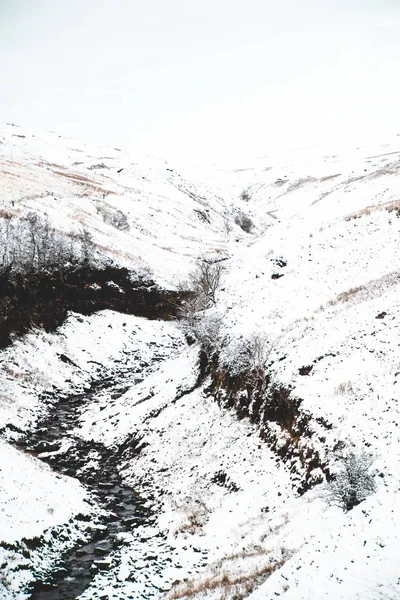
pixel 195 514
pixel 246 357
pixel 227 225
pixel 207 330
pixel 343 388
pixel 86 240
pixel 113 216
pixel 245 195
pixel 206 279
pixel 190 311
pixel 354 481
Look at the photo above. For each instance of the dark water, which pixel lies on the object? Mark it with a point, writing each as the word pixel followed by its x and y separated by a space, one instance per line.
pixel 125 507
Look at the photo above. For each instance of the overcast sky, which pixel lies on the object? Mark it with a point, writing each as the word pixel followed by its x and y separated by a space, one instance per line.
pixel 205 79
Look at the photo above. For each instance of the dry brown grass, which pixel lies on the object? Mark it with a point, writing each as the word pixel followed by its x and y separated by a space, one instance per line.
pixel 372 289
pixel 345 296
pixel 76 177
pixel 32 378
pixel 229 585
pixel 7 214
pixel 90 185
pixel 87 191
pixel 9 173
pixel 328 177
pixel 392 206
pixel 300 182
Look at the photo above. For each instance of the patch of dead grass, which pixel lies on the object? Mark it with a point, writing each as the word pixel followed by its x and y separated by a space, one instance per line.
pixel 345 296
pixel 227 583
pixel 392 206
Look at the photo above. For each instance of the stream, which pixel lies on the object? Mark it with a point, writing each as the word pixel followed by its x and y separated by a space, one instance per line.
pixel 95 466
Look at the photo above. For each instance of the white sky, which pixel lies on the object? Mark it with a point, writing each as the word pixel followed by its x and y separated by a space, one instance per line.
pixel 202 80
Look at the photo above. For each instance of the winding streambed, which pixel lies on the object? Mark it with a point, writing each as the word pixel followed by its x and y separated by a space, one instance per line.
pixel 95 466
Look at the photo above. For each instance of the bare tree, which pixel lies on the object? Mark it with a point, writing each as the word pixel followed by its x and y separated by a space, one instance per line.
pixel 201 290
pixel 31 244
pixel 205 280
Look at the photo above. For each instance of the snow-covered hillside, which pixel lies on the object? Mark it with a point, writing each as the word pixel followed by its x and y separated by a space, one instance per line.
pixel 231 470
pixel 145 215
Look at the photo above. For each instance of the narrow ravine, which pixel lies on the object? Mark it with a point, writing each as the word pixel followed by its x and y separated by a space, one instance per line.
pixel 95 466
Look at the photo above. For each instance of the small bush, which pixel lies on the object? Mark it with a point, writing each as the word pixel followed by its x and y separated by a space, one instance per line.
pixel 207 331
pixel 346 387
pixel 195 515
pixel 246 357
pixel 245 195
pixel 354 482
pixel 113 216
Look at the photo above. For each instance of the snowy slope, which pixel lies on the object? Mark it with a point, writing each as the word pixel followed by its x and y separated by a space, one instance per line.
pixel 318 183
pixel 142 214
pixel 317 278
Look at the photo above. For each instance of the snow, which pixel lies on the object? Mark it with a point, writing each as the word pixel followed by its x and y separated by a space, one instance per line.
pixel 96 346
pixel 39 505
pixel 327 228
pixel 168 221
pixel 32 497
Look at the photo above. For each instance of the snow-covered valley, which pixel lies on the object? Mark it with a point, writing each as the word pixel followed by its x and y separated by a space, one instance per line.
pixel 203 457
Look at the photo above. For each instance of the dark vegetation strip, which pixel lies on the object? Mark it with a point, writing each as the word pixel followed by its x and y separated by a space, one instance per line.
pixel 283 424
pixel 43 298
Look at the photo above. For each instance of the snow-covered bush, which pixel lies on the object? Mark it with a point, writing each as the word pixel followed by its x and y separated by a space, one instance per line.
pixel 113 216
pixel 354 481
pixel 207 331
pixel 194 516
pixel 246 356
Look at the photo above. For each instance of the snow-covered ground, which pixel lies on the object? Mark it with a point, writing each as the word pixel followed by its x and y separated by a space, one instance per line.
pixel 145 215
pixel 317 277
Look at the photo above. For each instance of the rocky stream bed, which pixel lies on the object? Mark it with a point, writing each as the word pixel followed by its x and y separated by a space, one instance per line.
pixel 95 466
